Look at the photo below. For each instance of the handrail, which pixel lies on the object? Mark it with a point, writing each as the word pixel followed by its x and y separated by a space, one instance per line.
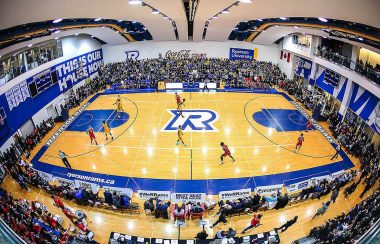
pixel 10 234
pixel 368 236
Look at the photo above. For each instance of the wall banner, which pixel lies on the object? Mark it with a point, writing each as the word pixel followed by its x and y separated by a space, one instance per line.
pixel 241 54
pixel 186 197
pixel 145 195
pixel 229 195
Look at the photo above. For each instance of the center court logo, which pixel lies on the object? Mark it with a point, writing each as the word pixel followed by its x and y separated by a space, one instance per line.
pixel 200 120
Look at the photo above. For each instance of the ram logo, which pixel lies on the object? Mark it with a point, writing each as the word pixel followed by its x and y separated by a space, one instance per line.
pixel 132 55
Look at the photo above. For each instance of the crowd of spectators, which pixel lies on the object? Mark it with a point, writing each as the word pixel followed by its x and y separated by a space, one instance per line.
pixel 77 96
pixel 365 69
pixel 147 72
pixel 34 223
pixel 350 226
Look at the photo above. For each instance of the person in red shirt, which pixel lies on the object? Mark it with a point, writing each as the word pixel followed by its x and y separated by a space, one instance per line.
pixel 58 202
pixel 309 125
pixel 254 223
pixel 177 98
pixel 226 153
pixel 299 142
pixel 90 132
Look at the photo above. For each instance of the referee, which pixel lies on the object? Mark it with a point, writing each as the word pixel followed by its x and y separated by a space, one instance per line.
pixel 63 156
pixel 205 86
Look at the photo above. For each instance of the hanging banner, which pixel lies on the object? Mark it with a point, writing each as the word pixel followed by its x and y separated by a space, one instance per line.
pixel 145 195
pixel 304 67
pixel 241 54
pixel 268 190
pixel 119 190
pixel 229 195
pixel 186 197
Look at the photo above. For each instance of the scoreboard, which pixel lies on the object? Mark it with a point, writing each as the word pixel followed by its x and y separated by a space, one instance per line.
pixel 42 81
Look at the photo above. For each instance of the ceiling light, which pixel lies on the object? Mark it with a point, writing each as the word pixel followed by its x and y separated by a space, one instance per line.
pixel 57 21
pixel 283 18
pixel 56 32
pixel 263 31
pixel 135 2
pixel 361 39
pixel 56 38
pixel 155 11
pixel 324 37
pixel 92 36
pixel 323 19
pixel 260 20
pixel 296 27
pixel 120 20
pixel 77 34
pixel 97 19
pixel 226 11
pixel 245 1
pixel 30 45
pixel 166 17
pixel 303 33
pixel 215 17
pixel 277 26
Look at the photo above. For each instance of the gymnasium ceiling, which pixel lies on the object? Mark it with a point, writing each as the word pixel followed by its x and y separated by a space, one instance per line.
pixel 175 25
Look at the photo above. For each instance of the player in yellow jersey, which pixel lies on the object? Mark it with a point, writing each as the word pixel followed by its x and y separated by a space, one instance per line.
pixel 107 130
pixel 180 107
pixel 119 106
pixel 180 134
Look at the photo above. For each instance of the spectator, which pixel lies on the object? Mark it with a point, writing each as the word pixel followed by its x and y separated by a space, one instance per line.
pixel 254 223
pixel 288 223
pixel 322 210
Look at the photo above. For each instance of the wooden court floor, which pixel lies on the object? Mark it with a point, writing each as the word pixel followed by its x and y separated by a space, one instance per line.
pixel 103 222
pixel 142 149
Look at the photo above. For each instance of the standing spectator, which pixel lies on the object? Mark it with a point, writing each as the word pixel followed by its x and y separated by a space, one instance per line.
pixel 63 156
pixel 337 150
pixel 20 181
pixel 254 223
pixel 322 210
pixel 222 218
pixel 288 223
pixel 334 195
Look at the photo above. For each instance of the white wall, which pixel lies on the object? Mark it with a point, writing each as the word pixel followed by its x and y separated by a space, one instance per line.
pixel 285 66
pixel 299 49
pixel 73 46
pixel 151 49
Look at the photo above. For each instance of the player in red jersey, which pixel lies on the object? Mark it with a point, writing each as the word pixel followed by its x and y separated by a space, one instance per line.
pixel 90 132
pixel 299 142
pixel 226 153
pixel 309 125
pixel 177 98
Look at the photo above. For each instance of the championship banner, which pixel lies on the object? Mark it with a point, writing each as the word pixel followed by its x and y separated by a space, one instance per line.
pixel 229 195
pixel 186 197
pixel 268 190
pixel 119 190
pixel 145 195
pixel 86 185
pixel 298 186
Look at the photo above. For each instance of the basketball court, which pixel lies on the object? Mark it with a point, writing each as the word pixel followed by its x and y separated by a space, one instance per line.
pixel 261 130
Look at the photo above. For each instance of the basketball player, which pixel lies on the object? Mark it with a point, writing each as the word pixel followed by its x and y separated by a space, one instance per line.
pixel 90 132
pixel 119 106
pixel 177 98
pixel 107 130
pixel 180 107
pixel 180 134
pixel 309 125
pixel 226 153
pixel 299 142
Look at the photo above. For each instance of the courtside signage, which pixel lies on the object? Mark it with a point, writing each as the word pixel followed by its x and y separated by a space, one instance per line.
pixel 185 197
pixel 268 190
pixel 146 195
pixel 66 124
pixel 229 195
pixel 201 120
pixel 119 190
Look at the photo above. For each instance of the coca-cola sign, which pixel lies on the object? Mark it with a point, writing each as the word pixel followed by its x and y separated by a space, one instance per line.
pixel 182 54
